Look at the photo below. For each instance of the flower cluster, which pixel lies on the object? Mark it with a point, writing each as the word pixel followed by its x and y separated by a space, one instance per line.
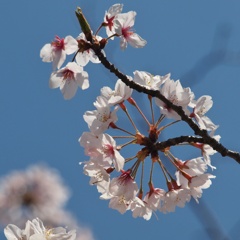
pixel 117 177
pixel 122 188
pixel 72 76
pixel 35 230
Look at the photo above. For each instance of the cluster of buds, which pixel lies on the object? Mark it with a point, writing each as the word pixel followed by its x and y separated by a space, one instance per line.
pixel 116 176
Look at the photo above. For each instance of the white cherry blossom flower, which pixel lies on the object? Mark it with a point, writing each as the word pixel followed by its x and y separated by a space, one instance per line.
pixel 193 177
pixel 119 94
pixel 148 80
pixel 202 181
pixel 12 232
pixel 83 57
pixel 109 152
pixel 98 174
pixel 119 203
pixel 154 198
pixel 124 185
pixel 68 79
pixel 175 197
pixel 35 230
pixel 90 142
pixel 41 232
pixel 124 23
pixel 99 120
pixel 57 50
pixel 140 209
pixel 202 105
pixel 109 18
pixel 175 93
pixel 193 167
pixel 207 151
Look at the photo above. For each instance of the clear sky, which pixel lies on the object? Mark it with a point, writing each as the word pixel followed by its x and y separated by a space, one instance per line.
pixel 198 42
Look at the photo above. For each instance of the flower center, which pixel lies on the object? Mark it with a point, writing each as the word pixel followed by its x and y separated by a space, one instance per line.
pixel 126 32
pixel 108 150
pixel 58 44
pixel 68 74
pixel 110 22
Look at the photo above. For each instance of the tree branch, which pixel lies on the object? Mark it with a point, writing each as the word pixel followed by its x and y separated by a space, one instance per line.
pixel 155 93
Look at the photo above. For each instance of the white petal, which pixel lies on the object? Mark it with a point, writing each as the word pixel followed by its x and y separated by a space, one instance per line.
pixel 136 41
pixel 56 80
pixel 58 58
pixel 123 43
pixel 82 80
pixel 71 45
pixel 46 53
pixel 69 89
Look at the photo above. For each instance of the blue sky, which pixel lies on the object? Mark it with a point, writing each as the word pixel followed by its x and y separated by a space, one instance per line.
pixel 198 42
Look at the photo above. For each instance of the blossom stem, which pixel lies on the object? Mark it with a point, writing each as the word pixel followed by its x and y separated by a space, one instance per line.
pixel 125 144
pixel 130 159
pixel 172 159
pixel 114 35
pixel 160 119
pixel 75 56
pixel 141 181
pixel 129 117
pixel 168 125
pixel 151 107
pixel 135 167
pixel 122 137
pixel 163 169
pixel 151 173
pixel 102 24
pixel 175 163
pixel 133 102
pixel 121 129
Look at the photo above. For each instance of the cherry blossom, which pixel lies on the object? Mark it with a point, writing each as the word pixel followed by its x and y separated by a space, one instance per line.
pixel 109 18
pixel 140 209
pixel 179 96
pixel 57 50
pixel 148 80
pixel 90 142
pixel 99 120
pixel 84 56
pixel 68 79
pixel 202 105
pixel 193 177
pixel 119 94
pixel 35 230
pixel 12 232
pixel 124 23
pixel 119 203
pixel 99 176
pixel 207 151
pixel 175 197
pixel 154 198
pixel 124 185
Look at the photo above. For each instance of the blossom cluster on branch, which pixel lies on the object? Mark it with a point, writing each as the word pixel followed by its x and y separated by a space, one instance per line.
pixel 120 178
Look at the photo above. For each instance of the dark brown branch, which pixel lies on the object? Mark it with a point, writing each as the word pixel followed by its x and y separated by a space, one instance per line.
pixel 155 93
pixel 177 140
